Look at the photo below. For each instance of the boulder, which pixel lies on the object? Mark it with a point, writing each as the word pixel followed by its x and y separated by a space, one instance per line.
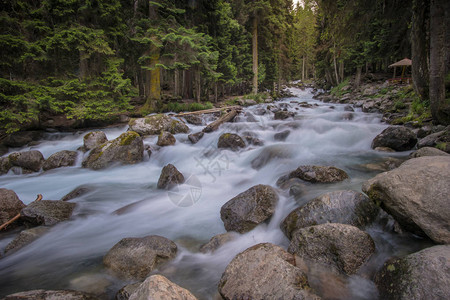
pixel 345 207
pixel 319 174
pixel 283 115
pixel 93 140
pixel 264 271
pixel 25 237
pixel 281 136
pixel 416 195
pixel 60 159
pixel 135 258
pixel 170 177
pixel 28 160
pixel 10 205
pixel 421 275
pixel 253 140
pixel 217 241
pixel 269 153
pixel 159 287
pixel 348 108
pixel 166 139
pixel 230 141
pixel 21 138
pixel 154 125
pixel 428 151
pixel 343 247
pixel 250 208
pixel 47 212
pixel 193 119
pixel 195 137
pixel 125 292
pixel 78 192
pixel 260 111
pixel 398 138
pixel 433 139
pixel 5 165
pixel 127 149
pixel 50 295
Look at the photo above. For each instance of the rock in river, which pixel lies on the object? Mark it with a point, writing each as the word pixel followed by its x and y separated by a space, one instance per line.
pixel 60 159
pixel 159 287
pixel 398 138
pixel 170 177
pixel 319 174
pixel 250 208
pixel 230 141
pixel 94 139
pixel 416 194
pixel 10 205
pixel 166 139
pixel 156 124
pixel 135 258
pixel 47 212
pixel 28 160
pixel 50 295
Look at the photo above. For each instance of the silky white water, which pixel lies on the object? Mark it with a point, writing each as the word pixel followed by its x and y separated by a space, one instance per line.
pixel 190 215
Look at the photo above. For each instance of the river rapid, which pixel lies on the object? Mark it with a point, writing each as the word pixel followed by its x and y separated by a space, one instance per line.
pixel 70 255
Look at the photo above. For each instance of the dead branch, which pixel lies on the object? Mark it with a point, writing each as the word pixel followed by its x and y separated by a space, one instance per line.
pixel 225 118
pixel 4 225
pixel 208 111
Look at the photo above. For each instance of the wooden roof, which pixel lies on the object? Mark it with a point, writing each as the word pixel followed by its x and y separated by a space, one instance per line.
pixel 403 62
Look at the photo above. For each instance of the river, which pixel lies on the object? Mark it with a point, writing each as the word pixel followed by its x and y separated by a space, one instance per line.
pixel 70 255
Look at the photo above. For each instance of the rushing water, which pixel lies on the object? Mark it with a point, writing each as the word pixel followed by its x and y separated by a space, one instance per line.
pixel 70 255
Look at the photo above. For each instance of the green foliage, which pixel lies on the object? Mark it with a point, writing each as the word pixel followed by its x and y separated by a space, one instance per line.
pixel 399 105
pixel 182 107
pixel 338 90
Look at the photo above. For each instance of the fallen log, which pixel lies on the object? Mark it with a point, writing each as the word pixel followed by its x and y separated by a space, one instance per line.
pixel 208 111
pixel 225 118
pixel 4 225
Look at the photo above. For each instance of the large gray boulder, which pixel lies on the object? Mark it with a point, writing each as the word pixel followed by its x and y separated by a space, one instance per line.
pixel 154 125
pixel 428 151
pixel 343 247
pixel 60 159
pixel 170 177
pixel 135 258
pixel 421 275
pixel 319 174
pixel 195 137
pixel 25 237
pixel 166 139
pixel 47 212
pixel 127 149
pixel 264 271
pixel 10 205
pixel 50 295
pixel 230 141
pixel 345 207
pixel 159 287
pixel 250 208
pixel 94 139
pixel 417 195
pixel 398 138
pixel 28 160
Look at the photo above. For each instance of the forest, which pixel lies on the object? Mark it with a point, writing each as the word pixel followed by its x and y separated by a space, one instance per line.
pixel 90 59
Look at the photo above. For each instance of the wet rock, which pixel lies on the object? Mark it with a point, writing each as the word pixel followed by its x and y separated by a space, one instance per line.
pixel 264 271
pixel 78 192
pixel 135 258
pixel 252 140
pixel 250 208
pixel 386 164
pixel 348 108
pixel 125 292
pixel 28 160
pixel 319 174
pixel 5 165
pixel 127 149
pixel 217 241
pixel 159 287
pixel 345 207
pixel 281 136
pixel 430 140
pixel 384 149
pixel 421 275
pixel 230 141
pixel 47 212
pixel 343 247
pixel 398 138
pixel 428 151
pixel 283 115
pixel 260 111
pixel 249 117
pixel 25 237
pixel 194 119
pixel 50 295
pixel 10 205
pixel 416 195
pixel 156 124
pixel 347 116
pixel 60 159
pixel 96 284
pixel 195 137
pixel 93 140
pixel 170 177
pixel 166 139
pixel 21 138
pixel 269 153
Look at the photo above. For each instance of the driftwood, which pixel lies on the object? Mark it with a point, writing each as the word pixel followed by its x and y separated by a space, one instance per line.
pixel 225 118
pixel 4 225
pixel 209 111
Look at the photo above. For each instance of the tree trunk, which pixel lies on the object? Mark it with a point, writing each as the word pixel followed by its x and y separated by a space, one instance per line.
pixel 303 70
pixel 438 55
pixel 358 77
pixel 198 84
pixel 154 80
pixel 255 54
pixel 335 65
pixel 341 70
pixel 419 48
pixel 84 67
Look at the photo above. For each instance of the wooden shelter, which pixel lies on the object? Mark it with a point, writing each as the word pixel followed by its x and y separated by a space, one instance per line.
pixel 404 63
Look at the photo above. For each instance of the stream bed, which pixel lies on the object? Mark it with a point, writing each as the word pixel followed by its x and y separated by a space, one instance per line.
pixel 70 255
